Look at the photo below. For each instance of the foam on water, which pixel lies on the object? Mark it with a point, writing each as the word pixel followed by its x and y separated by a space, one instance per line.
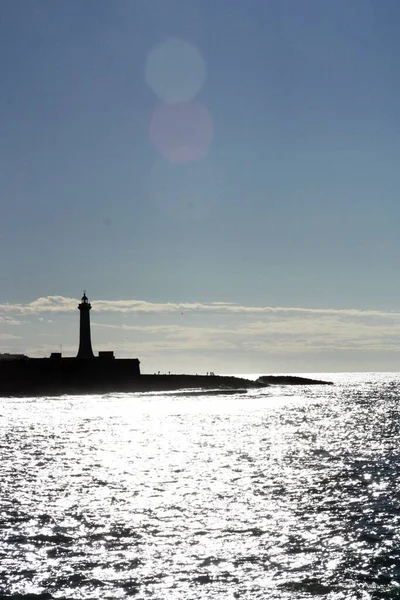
pixel 279 493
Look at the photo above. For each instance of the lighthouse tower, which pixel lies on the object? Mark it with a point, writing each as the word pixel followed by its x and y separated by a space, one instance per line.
pixel 85 344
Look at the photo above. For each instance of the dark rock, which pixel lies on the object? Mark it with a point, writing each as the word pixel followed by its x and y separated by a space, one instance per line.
pixel 291 380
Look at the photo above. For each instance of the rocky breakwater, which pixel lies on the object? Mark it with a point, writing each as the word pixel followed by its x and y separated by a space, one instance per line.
pixel 160 383
pixel 20 381
pixel 290 380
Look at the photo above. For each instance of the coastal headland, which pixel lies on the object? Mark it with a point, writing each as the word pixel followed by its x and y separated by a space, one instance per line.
pixel 46 377
pixel 102 374
pixel 291 380
pixel 105 381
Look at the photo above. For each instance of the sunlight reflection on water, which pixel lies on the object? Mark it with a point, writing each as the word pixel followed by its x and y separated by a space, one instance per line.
pixel 283 493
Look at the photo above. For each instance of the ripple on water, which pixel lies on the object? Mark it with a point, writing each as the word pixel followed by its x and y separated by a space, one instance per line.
pixel 276 496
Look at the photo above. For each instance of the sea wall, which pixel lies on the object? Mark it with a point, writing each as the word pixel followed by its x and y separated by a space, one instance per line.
pixel 33 375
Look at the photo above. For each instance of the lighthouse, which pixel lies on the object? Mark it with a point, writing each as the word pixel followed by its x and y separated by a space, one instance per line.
pixel 85 343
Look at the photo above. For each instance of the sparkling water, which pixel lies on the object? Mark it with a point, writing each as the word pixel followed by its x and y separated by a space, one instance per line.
pixel 285 492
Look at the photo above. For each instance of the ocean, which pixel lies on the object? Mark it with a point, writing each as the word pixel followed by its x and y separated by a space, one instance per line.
pixel 280 493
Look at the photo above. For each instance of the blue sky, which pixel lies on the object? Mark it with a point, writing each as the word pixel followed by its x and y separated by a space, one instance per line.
pixel 293 203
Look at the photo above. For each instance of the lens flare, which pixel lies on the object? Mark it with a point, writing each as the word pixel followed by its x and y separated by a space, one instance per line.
pixel 175 70
pixel 181 132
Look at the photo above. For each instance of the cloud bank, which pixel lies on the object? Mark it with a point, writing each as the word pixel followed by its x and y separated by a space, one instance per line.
pixel 62 304
pixel 187 330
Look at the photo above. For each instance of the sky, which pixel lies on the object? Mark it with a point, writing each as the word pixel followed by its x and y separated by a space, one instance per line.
pixel 221 177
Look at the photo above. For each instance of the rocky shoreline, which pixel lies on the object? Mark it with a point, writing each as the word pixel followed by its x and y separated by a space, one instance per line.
pixel 148 383
pixel 18 387
pixel 291 380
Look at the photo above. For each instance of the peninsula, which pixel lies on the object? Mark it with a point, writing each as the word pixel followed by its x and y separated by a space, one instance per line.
pixel 90 374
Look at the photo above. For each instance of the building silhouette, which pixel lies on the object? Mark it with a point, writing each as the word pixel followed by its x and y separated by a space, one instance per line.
pixel 84 373
pixel 109 364
pixel 85 342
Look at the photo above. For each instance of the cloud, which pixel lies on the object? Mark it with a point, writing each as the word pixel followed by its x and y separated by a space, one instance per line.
pixel 61 304
pixel 246 331
pixel 9 321
pixel 288 334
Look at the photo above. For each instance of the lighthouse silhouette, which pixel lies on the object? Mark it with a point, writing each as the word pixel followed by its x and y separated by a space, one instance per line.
pixel 85 343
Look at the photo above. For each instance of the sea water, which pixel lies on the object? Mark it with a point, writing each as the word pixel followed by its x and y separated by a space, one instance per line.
pixel 285 492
